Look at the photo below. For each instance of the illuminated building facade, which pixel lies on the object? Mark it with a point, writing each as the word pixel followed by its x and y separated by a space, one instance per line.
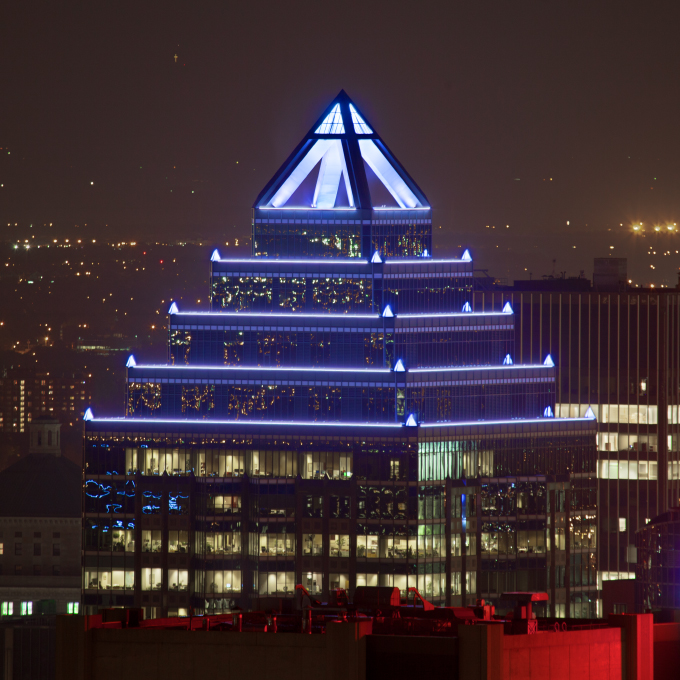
pixel 617 351
pixel 340 417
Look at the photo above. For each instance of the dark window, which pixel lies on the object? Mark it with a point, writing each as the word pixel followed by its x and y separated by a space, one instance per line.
pixel 37 534
pixel 56 534
pixel 17 548
pixel 36 570
pixel 56 549
pixel 55 570
pixel 36 550
pixel 17 534
pixel 18 569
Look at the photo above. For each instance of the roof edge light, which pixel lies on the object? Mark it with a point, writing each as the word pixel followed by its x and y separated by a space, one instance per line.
pixel 549 361
pixel 399 366
pixel 467 308
pixel 387 312
pixel 466 257
pixel 507 308
pixel 411 421
pixel 376 259
pixel 88 415
pixel 131 363
pixel 174 309
pixel 215 257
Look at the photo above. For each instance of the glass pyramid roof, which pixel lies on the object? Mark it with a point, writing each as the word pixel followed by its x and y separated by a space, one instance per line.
pixel 332 123
pixel 359 126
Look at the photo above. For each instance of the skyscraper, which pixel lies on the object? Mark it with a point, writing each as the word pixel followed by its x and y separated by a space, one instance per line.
pixel 340 417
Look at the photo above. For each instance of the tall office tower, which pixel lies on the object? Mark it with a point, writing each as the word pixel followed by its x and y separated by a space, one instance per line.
pixel 617 351
pixel 340 417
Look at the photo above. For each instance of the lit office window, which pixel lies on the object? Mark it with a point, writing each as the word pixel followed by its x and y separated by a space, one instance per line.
pixel 622 523
pixel 73 607
pixel 27 608
pixel 7 609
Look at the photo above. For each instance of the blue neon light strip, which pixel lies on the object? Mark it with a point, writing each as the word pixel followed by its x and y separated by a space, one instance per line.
pixel 296 315
pixel 427 207
pixel 298 423
pixel 447 314
pixel 273 260
pixel 247 422
pixel 165 367
pixel 305 208
pixel 423 260
pixel 518 421
pixel 494 367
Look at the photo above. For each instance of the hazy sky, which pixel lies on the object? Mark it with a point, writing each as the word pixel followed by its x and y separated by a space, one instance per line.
pixel 528 114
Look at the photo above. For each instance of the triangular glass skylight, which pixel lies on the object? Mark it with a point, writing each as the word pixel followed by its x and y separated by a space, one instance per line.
pixel 359 126
pixel 332 123
pixel 342 164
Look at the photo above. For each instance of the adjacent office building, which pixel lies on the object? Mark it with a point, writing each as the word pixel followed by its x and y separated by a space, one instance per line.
pixel 617 352
pixel 40 528
pixel 341 416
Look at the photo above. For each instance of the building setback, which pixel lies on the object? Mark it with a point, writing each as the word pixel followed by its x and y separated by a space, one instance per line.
pixel 339 417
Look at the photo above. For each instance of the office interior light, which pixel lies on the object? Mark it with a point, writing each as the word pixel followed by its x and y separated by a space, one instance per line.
pixel 507 361
pixel 174 309
pixel 467 308
pixel 549 361
pixel 131 363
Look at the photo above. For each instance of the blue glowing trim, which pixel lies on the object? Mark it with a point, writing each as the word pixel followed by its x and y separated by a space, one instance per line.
pixel 425 253
pixel 548 412
pixel 131 363
pixel 397 208
pixel 399 367
pixel 517 421
pixel 589 414
pixel 467 308
pixel 549 361
pixel 449 314
pixel 182 367
pixel 215 255
pixel 174 309
pixel 507 309
pixel 332 123
pixel 411 421
pixel 148 509
pixel 259 423
pixel 288 315
pixel 504 367
pixel 301 207
pixel 410 260
pixel 507 361
pixel 376 258
pixel 387 312
pixel 466 257
pixel 88 415
pixel 463 511
pixel 274 260
pixel 360 126
pixel 115 506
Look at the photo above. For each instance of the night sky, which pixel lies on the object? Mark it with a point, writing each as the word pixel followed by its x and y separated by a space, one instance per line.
pixel 527 114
